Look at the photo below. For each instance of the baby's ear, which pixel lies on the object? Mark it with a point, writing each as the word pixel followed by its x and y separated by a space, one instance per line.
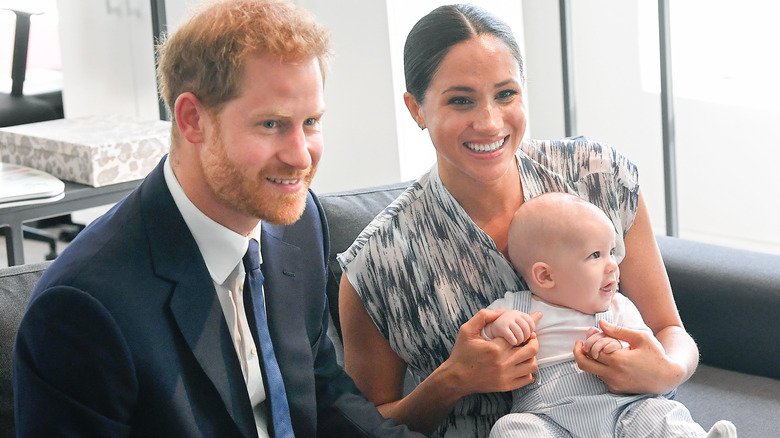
pixel 542 275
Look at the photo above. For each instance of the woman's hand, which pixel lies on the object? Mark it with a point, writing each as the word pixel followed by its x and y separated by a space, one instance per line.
pixel 644 368
pixel 514 326
pixel 641 368
pixel 477 365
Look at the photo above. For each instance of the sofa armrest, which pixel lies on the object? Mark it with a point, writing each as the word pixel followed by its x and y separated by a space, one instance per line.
pixel 729 301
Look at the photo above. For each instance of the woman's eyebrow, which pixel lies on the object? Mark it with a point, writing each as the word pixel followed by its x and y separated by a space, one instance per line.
pixel 459 88
pixel 505 83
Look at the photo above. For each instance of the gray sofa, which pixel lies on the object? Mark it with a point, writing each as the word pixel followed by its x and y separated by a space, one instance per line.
pixel 729 300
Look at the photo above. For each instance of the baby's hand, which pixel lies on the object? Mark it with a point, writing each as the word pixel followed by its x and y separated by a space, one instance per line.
pixel 597 343
pixel 513 325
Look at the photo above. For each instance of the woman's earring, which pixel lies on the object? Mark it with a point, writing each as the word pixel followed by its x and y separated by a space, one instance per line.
pixel 422 126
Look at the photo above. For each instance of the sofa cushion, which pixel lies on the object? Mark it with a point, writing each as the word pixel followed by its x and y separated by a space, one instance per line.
pixel 751 402
pixel 16 283
pixel 729 301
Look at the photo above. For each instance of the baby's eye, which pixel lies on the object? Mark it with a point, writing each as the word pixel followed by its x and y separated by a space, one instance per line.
pixel 612 252
pixel 595 255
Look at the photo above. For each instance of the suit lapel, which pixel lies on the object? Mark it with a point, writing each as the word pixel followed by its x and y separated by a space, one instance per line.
pixel 201 322
pixel 194 303
pixel 279 269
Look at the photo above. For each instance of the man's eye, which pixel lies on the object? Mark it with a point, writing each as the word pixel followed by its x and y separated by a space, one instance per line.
pixel 310 122
pixel 270 124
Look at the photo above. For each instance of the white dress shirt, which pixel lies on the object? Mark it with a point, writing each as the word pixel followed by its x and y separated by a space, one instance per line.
pixel 222 250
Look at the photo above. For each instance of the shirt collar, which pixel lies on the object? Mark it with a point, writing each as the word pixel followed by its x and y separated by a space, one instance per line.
pixel 222 248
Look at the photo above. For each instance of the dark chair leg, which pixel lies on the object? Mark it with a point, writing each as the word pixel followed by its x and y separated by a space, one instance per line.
pixel 41 236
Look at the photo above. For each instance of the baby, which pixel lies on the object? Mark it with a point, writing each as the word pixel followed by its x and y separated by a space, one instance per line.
pixel 564 248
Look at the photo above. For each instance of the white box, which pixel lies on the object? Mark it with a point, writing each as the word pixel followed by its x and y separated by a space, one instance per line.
pixel 96 151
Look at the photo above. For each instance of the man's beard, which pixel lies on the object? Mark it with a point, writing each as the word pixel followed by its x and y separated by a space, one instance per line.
pixel 244 193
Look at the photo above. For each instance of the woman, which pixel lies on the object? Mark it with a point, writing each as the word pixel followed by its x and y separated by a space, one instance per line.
pixel 418 275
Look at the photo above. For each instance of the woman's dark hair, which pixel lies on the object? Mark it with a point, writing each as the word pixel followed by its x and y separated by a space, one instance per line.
pixel 433 36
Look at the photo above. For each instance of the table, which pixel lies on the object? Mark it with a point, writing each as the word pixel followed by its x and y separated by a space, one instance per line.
pixel 77 197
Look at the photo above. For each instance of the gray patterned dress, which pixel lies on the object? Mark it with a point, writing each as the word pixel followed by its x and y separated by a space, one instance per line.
pixel 422 267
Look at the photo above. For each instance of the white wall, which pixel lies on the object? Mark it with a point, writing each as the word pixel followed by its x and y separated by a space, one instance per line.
pixel 359 124
pixel 107 58
pixel 107 51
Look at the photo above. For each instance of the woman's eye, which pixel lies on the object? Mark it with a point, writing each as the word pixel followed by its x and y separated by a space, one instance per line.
pixel 460 101
pixel 506 94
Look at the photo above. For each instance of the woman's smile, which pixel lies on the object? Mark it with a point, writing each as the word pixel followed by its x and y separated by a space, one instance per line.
pixel 486 147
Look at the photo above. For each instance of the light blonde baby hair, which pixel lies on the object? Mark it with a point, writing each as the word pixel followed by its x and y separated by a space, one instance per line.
pixel 543 225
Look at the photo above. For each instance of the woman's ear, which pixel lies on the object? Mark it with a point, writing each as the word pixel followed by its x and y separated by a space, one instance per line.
pixel 414 109
pixel 190 117
pixel 542 275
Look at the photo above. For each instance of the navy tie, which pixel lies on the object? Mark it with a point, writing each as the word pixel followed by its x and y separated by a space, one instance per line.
pixel 280 410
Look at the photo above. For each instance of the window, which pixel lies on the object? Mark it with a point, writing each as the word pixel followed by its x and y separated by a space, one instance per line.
pixel 724 52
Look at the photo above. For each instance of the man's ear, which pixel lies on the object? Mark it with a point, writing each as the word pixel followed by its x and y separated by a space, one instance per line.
pixel 414 109
pixel 190 116
pixel 542 275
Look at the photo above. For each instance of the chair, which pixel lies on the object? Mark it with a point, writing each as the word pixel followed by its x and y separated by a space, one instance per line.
pixel 16 108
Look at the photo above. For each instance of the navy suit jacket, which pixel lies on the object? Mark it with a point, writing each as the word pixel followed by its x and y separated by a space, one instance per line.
pixel 125 336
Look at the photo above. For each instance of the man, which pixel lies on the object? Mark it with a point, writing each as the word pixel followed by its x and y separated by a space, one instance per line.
pixel 145 326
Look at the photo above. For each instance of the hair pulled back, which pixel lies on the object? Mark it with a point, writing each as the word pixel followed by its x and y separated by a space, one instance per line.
pixel 432 37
